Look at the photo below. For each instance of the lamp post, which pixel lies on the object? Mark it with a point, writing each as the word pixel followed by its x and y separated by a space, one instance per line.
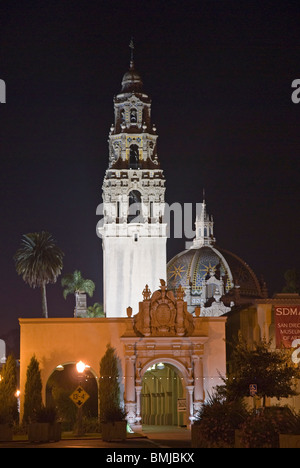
pixel 80 367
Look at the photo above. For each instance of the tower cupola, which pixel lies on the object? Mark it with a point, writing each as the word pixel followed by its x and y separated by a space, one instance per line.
pixel 204 228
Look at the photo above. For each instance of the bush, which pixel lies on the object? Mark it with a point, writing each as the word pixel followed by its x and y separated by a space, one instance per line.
pixel 114 414
pixel 109 389
pixel 4 415
pixel 33 391
pixel 262 428
pixel 46 414
pixel 8 386
pixel 91 425
pixel 218 419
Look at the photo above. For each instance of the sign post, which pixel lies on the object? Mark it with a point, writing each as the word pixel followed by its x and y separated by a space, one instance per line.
pixel 253 393
pixel 253 389
pixel 79 397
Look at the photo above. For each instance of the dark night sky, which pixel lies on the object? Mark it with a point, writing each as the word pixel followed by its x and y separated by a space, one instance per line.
pixel 219 74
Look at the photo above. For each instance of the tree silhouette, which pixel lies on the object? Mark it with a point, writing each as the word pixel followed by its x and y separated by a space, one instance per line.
pixel 39 261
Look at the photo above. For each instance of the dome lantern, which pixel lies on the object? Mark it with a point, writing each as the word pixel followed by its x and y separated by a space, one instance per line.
pixel 204 228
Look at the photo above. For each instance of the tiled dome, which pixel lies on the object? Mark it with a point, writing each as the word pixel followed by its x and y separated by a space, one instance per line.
pixel 191 268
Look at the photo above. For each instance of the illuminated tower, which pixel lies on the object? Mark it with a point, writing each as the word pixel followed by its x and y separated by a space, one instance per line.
pixel 133 235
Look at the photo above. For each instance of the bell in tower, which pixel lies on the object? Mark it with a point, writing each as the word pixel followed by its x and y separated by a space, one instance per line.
pixel 132 232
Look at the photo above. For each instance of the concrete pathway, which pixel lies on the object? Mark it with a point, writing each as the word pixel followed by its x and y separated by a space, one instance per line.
pixel 168 436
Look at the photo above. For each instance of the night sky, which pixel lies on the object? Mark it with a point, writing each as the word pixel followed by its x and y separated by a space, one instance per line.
pixel 219 74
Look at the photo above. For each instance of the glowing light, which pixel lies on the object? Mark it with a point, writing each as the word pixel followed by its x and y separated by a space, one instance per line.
pixel 80 367
pixel 160 365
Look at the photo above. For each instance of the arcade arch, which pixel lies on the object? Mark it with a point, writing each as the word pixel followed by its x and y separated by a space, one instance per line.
pixel 62 382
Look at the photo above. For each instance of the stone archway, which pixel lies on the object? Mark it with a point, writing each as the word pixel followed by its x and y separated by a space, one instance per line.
pixel 163 398
pixel 192 346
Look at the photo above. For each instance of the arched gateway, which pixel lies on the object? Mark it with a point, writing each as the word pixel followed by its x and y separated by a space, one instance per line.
pixel 163 332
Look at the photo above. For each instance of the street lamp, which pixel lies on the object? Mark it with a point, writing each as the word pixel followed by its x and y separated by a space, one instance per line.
pixel 80 367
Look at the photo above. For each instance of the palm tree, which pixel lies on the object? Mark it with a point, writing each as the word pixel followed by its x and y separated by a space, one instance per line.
pixel 39 261
pixel 74 283
pixel 95 310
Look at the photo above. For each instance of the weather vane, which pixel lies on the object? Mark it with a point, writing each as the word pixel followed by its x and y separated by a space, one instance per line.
pixel 131 45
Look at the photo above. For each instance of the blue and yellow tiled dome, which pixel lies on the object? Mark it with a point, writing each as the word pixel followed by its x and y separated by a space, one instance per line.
pixel 191 268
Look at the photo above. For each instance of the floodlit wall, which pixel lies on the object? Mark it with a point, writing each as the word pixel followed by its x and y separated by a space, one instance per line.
pixel 59 341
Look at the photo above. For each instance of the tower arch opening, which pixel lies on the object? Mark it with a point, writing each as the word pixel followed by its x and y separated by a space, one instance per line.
pixel 134 207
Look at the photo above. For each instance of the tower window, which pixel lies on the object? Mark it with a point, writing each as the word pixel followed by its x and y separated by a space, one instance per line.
pixel 135 205
pixel 134 157
pixel 133 116
pixel 136 238
pixel 151 209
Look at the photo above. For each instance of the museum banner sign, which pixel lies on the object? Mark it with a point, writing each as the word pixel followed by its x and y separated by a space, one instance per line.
pixel 287 325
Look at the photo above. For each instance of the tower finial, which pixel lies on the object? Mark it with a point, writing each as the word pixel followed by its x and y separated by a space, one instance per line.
pixel 203 195
pixel 131 45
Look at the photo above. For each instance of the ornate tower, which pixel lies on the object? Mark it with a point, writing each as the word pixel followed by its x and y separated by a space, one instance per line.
pixel 204 227
pixel 133 235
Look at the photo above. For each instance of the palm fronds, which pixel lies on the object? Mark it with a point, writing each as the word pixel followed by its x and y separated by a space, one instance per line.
pixel 75 283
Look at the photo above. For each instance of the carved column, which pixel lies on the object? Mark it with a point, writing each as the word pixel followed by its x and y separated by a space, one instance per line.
pixel 130 402
pixel 190 389
pixel 198 383
pixel 180 312
pixel 138 418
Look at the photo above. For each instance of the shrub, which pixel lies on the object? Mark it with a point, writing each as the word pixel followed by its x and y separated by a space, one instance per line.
pixel 218 419
pixel 115 414
pixel 8 386
pixel 33 391
pixel 262 428
pixel 109 389
pixel 4 416
pixel 46 414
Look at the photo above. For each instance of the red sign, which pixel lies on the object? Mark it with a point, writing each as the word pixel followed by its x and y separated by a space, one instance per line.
pixel 287 324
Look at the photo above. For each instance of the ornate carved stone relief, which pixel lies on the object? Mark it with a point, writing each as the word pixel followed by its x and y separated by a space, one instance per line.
pixel 163 314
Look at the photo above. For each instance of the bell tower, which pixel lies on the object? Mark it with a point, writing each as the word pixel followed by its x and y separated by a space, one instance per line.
pixel 133 234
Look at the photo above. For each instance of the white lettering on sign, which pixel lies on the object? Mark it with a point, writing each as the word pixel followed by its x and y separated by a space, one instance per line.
pixel 287 324
pixel 287 311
